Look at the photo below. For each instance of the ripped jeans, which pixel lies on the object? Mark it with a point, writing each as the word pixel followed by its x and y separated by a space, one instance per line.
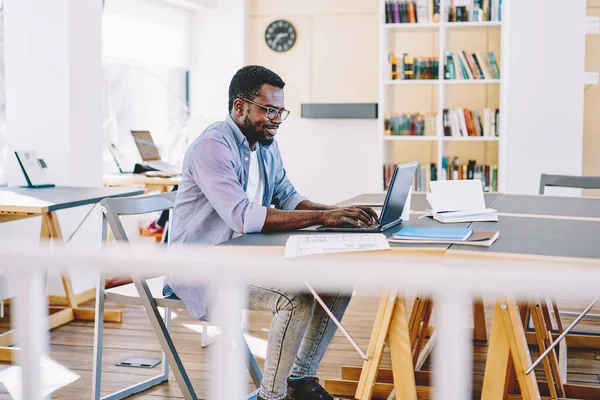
pixel 299 334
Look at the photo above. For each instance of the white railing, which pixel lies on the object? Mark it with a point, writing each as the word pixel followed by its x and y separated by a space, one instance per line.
pixel 450 281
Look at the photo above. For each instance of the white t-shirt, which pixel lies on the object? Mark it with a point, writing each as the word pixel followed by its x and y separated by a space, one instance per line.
pixel 256 184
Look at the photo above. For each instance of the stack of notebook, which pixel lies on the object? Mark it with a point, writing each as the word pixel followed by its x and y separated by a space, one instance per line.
pixel 466 236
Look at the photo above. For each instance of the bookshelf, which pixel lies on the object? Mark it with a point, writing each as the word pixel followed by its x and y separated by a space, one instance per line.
pixel 427 40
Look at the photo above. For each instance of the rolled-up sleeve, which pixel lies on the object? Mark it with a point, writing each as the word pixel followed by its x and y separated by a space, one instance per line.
pixel 285 196
pixel 211 167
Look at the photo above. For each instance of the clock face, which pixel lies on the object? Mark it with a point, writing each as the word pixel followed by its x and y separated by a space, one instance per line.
pixel 280 36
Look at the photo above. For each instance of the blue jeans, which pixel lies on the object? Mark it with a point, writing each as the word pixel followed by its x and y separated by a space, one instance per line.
pixel 299 334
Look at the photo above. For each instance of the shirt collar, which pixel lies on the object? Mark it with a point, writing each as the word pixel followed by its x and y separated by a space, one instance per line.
pixel 237 133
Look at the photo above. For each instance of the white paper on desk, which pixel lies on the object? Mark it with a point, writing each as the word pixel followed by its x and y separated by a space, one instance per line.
pixel 54 376
pixel 458 195
pixel 303 245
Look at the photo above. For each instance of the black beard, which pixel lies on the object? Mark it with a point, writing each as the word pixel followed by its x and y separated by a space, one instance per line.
pixel 255 136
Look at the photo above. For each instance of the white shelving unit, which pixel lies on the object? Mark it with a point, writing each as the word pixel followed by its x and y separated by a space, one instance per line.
pixel 444 138
pixel 387 86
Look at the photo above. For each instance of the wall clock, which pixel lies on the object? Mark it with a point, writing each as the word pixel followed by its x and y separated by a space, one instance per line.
pixel 280 36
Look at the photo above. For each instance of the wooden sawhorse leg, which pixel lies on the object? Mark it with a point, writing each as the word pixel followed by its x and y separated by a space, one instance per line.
pixel 508 356
pixel 508 342
pixel 407 352
pixel 391 325
pixel 50 230
pixel 479 327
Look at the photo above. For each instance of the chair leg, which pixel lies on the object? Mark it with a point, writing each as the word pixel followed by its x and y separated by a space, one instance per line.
pixel 245 318
pixel 164 339
pixel 204 340
pixel 165 361
pixel 98 335
pixel 253 368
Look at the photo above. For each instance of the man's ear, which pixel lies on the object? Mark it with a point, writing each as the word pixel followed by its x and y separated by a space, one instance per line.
pixel 238 107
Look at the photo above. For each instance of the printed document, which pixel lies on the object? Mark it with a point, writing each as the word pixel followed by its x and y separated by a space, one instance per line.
pixel 303 245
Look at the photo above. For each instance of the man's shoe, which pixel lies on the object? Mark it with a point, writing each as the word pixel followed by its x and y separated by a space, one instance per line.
pixel 307 389
pixel 285 398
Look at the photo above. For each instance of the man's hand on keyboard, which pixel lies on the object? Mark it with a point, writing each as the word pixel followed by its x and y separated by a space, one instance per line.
pixel 352 216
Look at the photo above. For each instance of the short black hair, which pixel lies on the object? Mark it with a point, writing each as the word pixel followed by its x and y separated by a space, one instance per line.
pixel 248 80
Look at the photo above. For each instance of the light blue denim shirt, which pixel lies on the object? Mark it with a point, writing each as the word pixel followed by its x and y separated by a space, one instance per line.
pixel 211 202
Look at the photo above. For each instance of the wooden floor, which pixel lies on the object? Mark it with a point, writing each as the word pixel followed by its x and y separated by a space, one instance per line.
pixel 72 346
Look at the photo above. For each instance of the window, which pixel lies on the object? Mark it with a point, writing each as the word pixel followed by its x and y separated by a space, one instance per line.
pixel 145 60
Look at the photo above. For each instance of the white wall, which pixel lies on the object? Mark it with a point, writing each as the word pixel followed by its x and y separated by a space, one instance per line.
pixel 145 48
pixel 543 66
pixel 330 160
pixel 334 60
pixel 217 50
pixel 146 31
pixel 53 81
pixel 591 136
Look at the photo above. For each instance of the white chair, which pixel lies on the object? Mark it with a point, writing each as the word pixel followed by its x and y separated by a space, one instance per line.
pixel 569 181
pixel 146 292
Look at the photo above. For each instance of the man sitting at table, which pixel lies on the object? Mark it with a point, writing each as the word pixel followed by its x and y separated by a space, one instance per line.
pixel 232 173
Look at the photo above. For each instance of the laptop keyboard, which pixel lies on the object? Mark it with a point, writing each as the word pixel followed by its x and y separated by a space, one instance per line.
pixel 362 225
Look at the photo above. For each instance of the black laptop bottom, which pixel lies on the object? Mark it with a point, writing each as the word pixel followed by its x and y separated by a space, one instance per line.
pixel 363 228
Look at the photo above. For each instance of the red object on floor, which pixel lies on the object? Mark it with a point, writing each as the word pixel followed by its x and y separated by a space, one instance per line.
pixel 152 230
pixel 118 281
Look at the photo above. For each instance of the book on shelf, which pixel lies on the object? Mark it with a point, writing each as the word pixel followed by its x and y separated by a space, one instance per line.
pixel 462 65
pixel 474 10
pixel 463 122
pixel 412 11
pixel 413 68
pixel 409 124
pixel 453 169
pixel 423 175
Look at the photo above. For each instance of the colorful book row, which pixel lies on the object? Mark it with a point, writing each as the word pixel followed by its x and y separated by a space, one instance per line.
pixel 410 124
pixel 454 170
pixel 414 68
pixel 412 12
pixel 474 10
pixel 463 65
pixel 423 175
pixel 463 122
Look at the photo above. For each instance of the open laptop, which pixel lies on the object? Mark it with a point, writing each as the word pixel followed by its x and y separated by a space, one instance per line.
pixel 116 156
pixel 149 153
pixel 395 199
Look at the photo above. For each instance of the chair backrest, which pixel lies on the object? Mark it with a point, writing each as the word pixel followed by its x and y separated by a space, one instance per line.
pixel 114 208
pixel 569 181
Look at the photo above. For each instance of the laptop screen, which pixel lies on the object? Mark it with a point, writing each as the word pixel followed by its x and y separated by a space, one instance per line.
pixel 145 144
pixel 398 192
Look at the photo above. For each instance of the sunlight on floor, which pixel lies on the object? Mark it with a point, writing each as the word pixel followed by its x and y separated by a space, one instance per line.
pixel 213 331
pixel 54 377
pixel 258 346
pixel 161 311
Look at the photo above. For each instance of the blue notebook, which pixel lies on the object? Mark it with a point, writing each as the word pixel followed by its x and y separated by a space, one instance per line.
pixel 424 233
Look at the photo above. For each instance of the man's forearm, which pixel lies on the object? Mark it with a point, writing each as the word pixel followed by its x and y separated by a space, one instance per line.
pixel 309 205
pixel 280 220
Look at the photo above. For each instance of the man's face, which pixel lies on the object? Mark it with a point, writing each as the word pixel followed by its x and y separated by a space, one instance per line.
pixel 256 126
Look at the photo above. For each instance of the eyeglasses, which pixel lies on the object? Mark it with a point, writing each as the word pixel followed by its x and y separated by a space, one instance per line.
pixel 271 112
